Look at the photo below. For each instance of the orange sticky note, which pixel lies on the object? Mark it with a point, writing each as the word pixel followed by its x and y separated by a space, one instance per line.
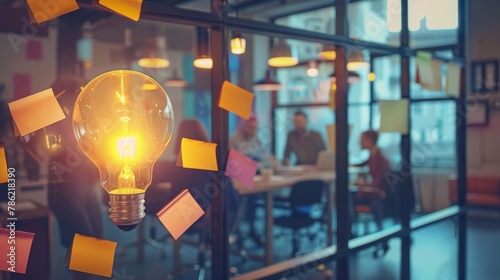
pixel 236 100
pixel 198 154
pixel 180 213
pixel 126 8
pixel 92 255
pixel 35 112
pixel 3 165
pixel 15 252
pixel 47 10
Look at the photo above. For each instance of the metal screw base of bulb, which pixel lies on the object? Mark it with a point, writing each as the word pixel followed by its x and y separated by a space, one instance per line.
pixel 126 210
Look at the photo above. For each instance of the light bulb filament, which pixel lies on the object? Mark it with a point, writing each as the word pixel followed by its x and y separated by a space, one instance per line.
pixel 121 97
pixel 126 148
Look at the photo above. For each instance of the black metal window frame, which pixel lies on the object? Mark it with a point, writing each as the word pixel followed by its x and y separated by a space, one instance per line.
pixel 219 23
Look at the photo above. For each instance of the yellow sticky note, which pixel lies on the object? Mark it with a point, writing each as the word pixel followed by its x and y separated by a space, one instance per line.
pixel 3 165
pixel 126 8
pixel 180 213
pixel 453 80
pixel 331 133
pixel 394 116
pixel 35 112
pixel 331 99
pixel 236 100
pixel 198 154
pixel 47 10
pixel 92 255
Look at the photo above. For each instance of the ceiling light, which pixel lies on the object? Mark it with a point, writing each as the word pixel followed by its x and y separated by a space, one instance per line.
pixel 328 53
pixel 312 69
pixel 281 55
pixel 238 44
pixel 267 84
pixel 357 61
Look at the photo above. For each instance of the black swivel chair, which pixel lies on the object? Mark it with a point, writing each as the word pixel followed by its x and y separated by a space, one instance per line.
pixel 301 204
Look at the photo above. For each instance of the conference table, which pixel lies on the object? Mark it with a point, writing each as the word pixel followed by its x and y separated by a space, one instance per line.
pixel 286 180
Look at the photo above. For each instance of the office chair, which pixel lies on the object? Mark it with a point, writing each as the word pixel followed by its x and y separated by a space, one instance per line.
pixel 301 203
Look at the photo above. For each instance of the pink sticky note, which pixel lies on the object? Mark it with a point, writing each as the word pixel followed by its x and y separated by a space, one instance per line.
pixel 34 49
pixel 241 168
pixel 180 214
pixel 15 250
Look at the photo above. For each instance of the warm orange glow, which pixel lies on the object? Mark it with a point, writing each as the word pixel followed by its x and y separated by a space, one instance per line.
pixel 153 62
pixel 282 61
pixel 203 63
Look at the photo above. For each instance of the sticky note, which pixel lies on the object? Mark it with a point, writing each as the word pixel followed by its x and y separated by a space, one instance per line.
pixel 92 255
pixel 17 249
pixel 453 80
pixel 198 154
pixel 47 10
pixel 241 168
pixel 331 96
pixel 3 165
pixel 331 134
pixel 180 214
pixel 127 8
pixel 394 116
pixel 35 112
pixel 236 100
pixel 428 72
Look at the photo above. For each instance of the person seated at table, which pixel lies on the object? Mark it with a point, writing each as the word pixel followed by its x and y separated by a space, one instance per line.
pixel 246 141
pixel 372 192
pixel 378 165
pixel 303 142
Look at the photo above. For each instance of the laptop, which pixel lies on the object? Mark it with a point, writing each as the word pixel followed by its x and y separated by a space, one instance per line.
pixel 325 161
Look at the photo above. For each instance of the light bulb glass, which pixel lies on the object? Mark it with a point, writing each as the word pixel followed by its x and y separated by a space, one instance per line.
pixel 123 124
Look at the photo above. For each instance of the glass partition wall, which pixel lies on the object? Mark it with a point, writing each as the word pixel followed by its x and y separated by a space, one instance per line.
pixel 344 59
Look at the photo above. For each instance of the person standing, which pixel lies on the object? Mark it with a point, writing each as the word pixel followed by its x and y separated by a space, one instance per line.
pixel 304 143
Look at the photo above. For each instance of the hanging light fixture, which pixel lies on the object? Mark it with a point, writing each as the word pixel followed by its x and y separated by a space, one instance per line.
pixel 357 61
pixel 312 69
pixel 352 77
pixel 267 84
pixel 152 53
pixel 238 44
pixel 328 53
pixel 281 55
pixel 203 59
pixel 175 81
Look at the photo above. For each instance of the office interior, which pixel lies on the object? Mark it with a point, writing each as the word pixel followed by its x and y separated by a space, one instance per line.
pixel 354 68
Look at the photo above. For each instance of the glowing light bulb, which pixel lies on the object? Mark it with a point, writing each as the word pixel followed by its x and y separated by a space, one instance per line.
pixel 123 127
